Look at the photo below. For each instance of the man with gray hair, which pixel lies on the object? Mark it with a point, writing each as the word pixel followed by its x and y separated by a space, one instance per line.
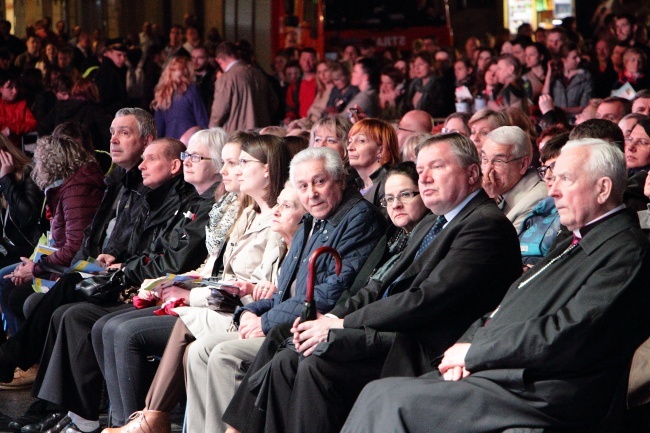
pixel 398 325
pixel 505 159
pixel 337 217
pixel 556 354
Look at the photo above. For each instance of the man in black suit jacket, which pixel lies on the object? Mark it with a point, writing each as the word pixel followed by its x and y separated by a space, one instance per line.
pixel 556 354
pixel 439 286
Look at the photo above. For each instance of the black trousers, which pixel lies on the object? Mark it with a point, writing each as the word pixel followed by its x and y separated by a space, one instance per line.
pixel 25 348
pixel 301 394
pixel 69 374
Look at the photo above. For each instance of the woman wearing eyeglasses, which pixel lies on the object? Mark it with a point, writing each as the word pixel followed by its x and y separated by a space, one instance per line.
pixel 637 147
pixel 254 250
pixel 177 103
pixel 257 168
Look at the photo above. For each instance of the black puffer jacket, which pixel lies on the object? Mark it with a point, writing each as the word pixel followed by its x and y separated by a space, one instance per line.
pixel 25 200
pixel 170 230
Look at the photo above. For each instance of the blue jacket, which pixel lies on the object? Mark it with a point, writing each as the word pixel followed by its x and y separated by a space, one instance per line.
pixel 353 230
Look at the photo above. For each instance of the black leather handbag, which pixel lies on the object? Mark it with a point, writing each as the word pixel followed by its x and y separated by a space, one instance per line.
pixel 102 289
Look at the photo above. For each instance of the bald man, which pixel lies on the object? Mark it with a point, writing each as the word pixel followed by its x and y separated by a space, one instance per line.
pixel 413 122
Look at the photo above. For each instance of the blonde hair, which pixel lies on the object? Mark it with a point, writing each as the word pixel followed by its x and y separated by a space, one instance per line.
pixel 167 87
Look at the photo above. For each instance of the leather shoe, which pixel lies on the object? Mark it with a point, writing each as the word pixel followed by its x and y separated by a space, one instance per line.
pixel 20 422
pixel 59 426
pixel 69 427
pixel 45 423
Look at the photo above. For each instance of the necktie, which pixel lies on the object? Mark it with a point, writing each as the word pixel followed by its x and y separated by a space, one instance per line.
pixel 426 241
pixel 429 237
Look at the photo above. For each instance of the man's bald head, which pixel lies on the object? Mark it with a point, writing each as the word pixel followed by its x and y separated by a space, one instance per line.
pixel 413 122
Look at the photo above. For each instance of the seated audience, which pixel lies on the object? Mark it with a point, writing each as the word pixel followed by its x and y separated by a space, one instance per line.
pixel 527 362
pixel 413 122
pixel 482 123
pixel 641 102
pixel 613 109
pixel 396 325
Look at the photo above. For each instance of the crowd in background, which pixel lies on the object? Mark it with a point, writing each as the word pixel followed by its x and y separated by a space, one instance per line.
pixel 168 153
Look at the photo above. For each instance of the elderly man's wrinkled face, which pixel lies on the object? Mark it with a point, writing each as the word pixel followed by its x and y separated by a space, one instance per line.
pixel 578 194
pixel 443 182
pixel 319 192
pixel 501 167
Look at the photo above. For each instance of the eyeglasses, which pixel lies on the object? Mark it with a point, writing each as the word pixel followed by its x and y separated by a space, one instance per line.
pixel 541 171
pixel 243 162
pixel 194 157
pixel 498 162
pixel 406 130
pixel 631 141
pixel 402 197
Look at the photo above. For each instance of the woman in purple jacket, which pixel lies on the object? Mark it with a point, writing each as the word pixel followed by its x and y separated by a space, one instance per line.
pixel 177 103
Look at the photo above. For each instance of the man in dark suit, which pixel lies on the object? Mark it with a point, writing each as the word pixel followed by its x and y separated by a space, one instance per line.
pixel 556 354
pixel 456 267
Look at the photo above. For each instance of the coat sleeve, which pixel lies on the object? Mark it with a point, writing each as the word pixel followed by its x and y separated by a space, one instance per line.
pixel 223 93
pixel 180 249
pixel 200 115
pixel 360 237
pixel 25 199
pixel 79 205
pixel 615 293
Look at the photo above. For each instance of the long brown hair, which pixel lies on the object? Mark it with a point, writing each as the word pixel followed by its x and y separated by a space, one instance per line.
pixel 21 161
pixel 167 87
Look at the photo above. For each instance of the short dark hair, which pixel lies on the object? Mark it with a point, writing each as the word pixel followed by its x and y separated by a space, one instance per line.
pixel 226 49
pixel 173 147
pixel 370 68
pixel 627 104
pixel 78 132
pixel 406 168
pixel 553 147
pixel 599 128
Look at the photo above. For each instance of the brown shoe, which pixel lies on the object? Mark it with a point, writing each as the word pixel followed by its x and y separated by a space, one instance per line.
pixel 146 421
pixel 22 379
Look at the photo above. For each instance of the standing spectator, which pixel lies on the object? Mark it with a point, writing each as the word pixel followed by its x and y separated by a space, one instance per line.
pixel 152 69
pixel 175 46
pixel 205 75
pixel 426 91
pixel 242 97
pixel 64 62
pixel 48 59
pixel 192 39
pixel 177 103
pixel 555 38
pixel 513 93
pixel 365 76
pixel 29 58
pixel 14 45
pixel 301 95
pixel 111 78
pixel 536 59
pixel 83 57
pixel 604 73
pixel 570 86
